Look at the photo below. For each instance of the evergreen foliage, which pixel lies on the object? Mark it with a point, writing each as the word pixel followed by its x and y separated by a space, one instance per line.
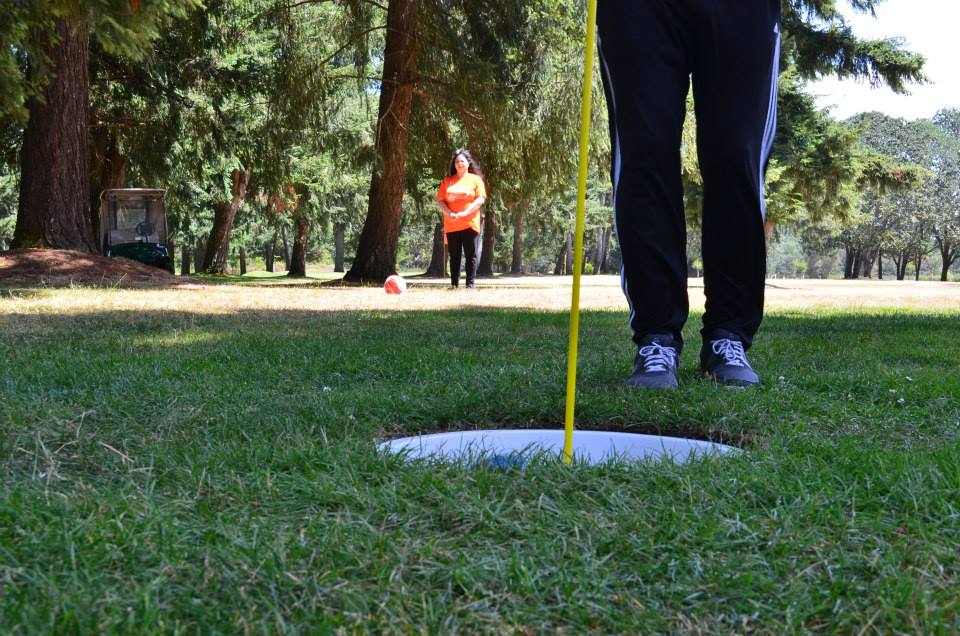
pixel 183 97
pixel 121 27
pixel 819 42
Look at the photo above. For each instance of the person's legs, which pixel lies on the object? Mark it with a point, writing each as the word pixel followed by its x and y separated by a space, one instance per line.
pixel 455 248
pixel 470 256
pixel 735 88
pixel 645 69
pixel 645 75
pixel 735 69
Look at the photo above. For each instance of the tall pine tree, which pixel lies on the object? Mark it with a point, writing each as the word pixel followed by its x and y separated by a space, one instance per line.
pixel 55 53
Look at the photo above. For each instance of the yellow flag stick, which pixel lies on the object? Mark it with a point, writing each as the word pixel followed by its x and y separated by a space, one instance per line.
pixel 578 230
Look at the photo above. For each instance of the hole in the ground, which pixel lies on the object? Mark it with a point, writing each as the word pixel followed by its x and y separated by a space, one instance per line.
pixel 741 439
pixel 502 447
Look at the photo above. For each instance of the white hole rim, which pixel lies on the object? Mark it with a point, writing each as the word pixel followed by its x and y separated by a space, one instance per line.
pixel 519 445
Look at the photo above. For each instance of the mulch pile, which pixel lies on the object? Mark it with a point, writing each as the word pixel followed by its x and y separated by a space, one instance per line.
pixel 66 268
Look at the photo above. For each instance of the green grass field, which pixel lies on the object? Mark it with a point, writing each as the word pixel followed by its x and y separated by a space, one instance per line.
pixel 186 471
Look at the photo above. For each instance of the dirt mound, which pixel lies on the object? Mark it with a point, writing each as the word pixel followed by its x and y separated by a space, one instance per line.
pixel 64 268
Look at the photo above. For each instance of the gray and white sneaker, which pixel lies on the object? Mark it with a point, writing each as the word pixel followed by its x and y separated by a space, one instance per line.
pixel 723 360
pixel 655 366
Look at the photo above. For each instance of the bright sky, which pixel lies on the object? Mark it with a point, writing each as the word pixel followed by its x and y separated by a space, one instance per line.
pixel 929 28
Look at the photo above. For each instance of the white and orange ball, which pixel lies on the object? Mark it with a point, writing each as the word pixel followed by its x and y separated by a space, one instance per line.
pixel 395 285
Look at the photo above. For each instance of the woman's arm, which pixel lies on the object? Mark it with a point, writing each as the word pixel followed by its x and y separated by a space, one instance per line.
pixel 471 210
pixel 446 211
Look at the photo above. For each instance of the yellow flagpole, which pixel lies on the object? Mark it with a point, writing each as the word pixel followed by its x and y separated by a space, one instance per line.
pixel 578 230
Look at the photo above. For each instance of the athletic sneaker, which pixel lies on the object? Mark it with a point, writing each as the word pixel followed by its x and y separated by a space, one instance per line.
pixel 723 360
pixel 655 366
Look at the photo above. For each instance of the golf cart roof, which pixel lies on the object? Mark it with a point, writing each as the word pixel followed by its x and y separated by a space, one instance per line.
pixel 120 192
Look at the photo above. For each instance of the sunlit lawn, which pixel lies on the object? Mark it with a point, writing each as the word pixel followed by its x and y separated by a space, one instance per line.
pixel 203 460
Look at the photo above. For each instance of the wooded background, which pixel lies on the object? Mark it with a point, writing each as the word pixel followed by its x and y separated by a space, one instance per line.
pixel 296 131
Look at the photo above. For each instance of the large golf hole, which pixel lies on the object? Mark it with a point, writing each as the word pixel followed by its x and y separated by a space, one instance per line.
pixel 510 447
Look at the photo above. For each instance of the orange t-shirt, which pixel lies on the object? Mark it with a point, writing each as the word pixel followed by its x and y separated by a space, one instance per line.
pixel 458 194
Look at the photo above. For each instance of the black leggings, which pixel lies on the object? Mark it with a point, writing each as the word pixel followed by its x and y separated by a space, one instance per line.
pixel 649 50
pixel 463 242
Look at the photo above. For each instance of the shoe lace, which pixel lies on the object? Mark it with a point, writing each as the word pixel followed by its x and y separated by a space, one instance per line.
pixel 731 351
pixel 656 357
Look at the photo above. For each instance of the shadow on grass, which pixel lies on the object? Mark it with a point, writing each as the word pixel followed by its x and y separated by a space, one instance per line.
pixel 22 293
pixel 266 280
pixel 269 281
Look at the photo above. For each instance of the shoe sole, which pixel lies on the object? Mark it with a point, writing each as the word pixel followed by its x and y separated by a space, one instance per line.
pixel 640 385
pixel 733 384
pixel 665 387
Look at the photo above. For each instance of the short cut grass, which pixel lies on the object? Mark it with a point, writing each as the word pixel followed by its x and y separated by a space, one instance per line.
pixel 213 469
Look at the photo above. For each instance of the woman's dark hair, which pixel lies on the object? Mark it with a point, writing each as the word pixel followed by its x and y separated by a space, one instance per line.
pixel 474 167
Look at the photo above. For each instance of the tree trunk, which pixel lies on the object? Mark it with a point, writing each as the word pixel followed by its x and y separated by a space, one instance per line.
pixel 268 253
pixel 917 263
pixel 900 264
pixel 108 169
pixel 218 243
pixel 287 256
pixel 185 259
pixel 879 264
pixel 224 213
pixel 600 254
pixel 867 263
pixel 767 231
pixel 569 260
pixel 198 253
pixel 853 264
pixel 598 250
pixel 377 251
pixel 490 228
pixel 561 260
pixel 948 256
pixel 338 247
pixel 607 236
pixel 438 261
pixel 516 263
pixel 848 253
pixel 478 240
pixel 243 261
pixel 172 251
pixel 298 260
pixel 54 203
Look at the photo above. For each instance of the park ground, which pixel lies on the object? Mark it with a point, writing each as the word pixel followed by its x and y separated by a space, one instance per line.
pixel 199 456
pixel 39 269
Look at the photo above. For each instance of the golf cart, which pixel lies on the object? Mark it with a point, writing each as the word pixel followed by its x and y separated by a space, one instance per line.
pixel 133 224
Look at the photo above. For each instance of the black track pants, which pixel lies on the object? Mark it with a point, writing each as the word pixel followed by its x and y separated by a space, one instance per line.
pixel 649 49
pixel 462 242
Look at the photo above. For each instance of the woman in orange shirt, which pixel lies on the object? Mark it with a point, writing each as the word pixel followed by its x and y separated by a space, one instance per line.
pixel 459 198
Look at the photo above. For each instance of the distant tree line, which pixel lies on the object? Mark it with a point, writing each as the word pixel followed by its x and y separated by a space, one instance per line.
pixel 319 130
